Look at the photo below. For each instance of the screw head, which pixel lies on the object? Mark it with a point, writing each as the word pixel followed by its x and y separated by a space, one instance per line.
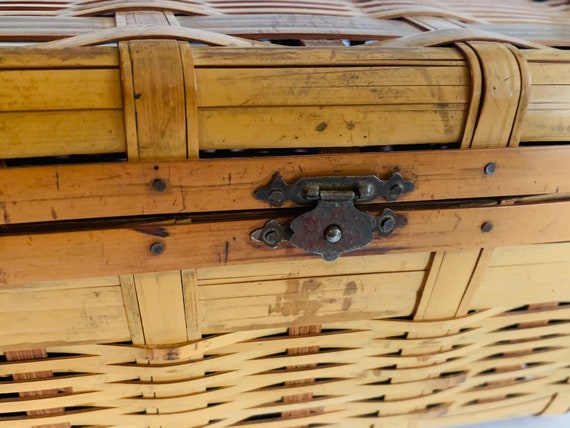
pixel 490 168
pixel 158 184
pixel 387 224
pixel 333 234
pixel 486 227
pixel 271 237
pixel 276 198
pixel 156 248
pixel 396 190
pixel 330 257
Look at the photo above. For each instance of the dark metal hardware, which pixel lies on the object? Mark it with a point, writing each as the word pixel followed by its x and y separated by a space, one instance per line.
pixel 334 226
pixel 158 184
pixel 272 234
pixel 157 248
pixel 486 227
pixel 307 190
pixel 490 168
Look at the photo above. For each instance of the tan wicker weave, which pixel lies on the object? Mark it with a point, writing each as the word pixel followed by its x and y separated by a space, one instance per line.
pixel 131 302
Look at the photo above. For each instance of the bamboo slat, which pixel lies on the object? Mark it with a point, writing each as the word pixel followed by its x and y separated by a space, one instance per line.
pixel 73 192
pixel 116 251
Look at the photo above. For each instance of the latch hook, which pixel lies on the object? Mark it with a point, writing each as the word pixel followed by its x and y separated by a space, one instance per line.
pixel 335 226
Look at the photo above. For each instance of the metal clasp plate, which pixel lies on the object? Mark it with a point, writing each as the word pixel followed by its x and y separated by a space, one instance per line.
pixel 335 226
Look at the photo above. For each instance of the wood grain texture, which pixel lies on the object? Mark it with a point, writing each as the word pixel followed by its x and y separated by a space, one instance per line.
pixel 60 133
pixel 501 95
pixel 325 126
pixel 125 189
pixel 92 57
pixel 45 90
pixel 331 86
pixel 448 278
pixel 161 129
pixel 115 251
pixel 75 315
pixel 161 304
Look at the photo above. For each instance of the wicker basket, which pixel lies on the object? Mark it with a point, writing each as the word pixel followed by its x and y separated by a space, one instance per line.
pixel 133 137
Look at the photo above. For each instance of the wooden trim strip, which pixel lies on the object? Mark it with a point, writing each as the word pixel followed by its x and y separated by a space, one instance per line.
pixel 51 256
pixel 192 186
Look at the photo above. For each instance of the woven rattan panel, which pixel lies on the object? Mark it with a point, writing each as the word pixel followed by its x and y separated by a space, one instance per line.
pixel 543 22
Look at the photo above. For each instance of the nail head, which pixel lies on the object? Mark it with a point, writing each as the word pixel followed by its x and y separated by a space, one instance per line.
pixel 490 168
pixel 159 185
pixel 157 248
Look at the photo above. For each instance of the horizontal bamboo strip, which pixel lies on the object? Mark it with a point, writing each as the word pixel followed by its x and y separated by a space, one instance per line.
pixel 41 28
pixel 102 7
pixel 550 74
pixel 530 254
pixel 46 90
pixel 314 268
pixel 326 126
pixel 545 125
pixel 124 189
pixel 524 284
pixel 118 251
pixel 277 57
pixel 109 281
pixel 299 25
pixel 479 413
pixel 149 32
pixel 73 315
pixel 549 34
pixel 332 86
pixel 307 301
pixel 11 58
pixel 58 133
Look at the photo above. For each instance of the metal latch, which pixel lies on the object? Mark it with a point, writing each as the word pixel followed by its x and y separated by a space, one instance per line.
pixel 335 226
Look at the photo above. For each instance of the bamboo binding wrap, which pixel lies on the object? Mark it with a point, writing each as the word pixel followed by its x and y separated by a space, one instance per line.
pixel 441 325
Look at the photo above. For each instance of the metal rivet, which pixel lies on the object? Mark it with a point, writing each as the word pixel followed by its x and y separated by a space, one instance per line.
pixel 333 234
pixel 157 248
pixel 159 185
pixel 396 190
pixel 490 168
pixel 330 257
pixel 486 227
pixel 276 198
pixel 271 237
pixel 387 224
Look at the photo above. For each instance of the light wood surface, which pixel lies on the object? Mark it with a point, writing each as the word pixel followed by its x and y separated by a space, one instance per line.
pixel 116 251
pixel 125 189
